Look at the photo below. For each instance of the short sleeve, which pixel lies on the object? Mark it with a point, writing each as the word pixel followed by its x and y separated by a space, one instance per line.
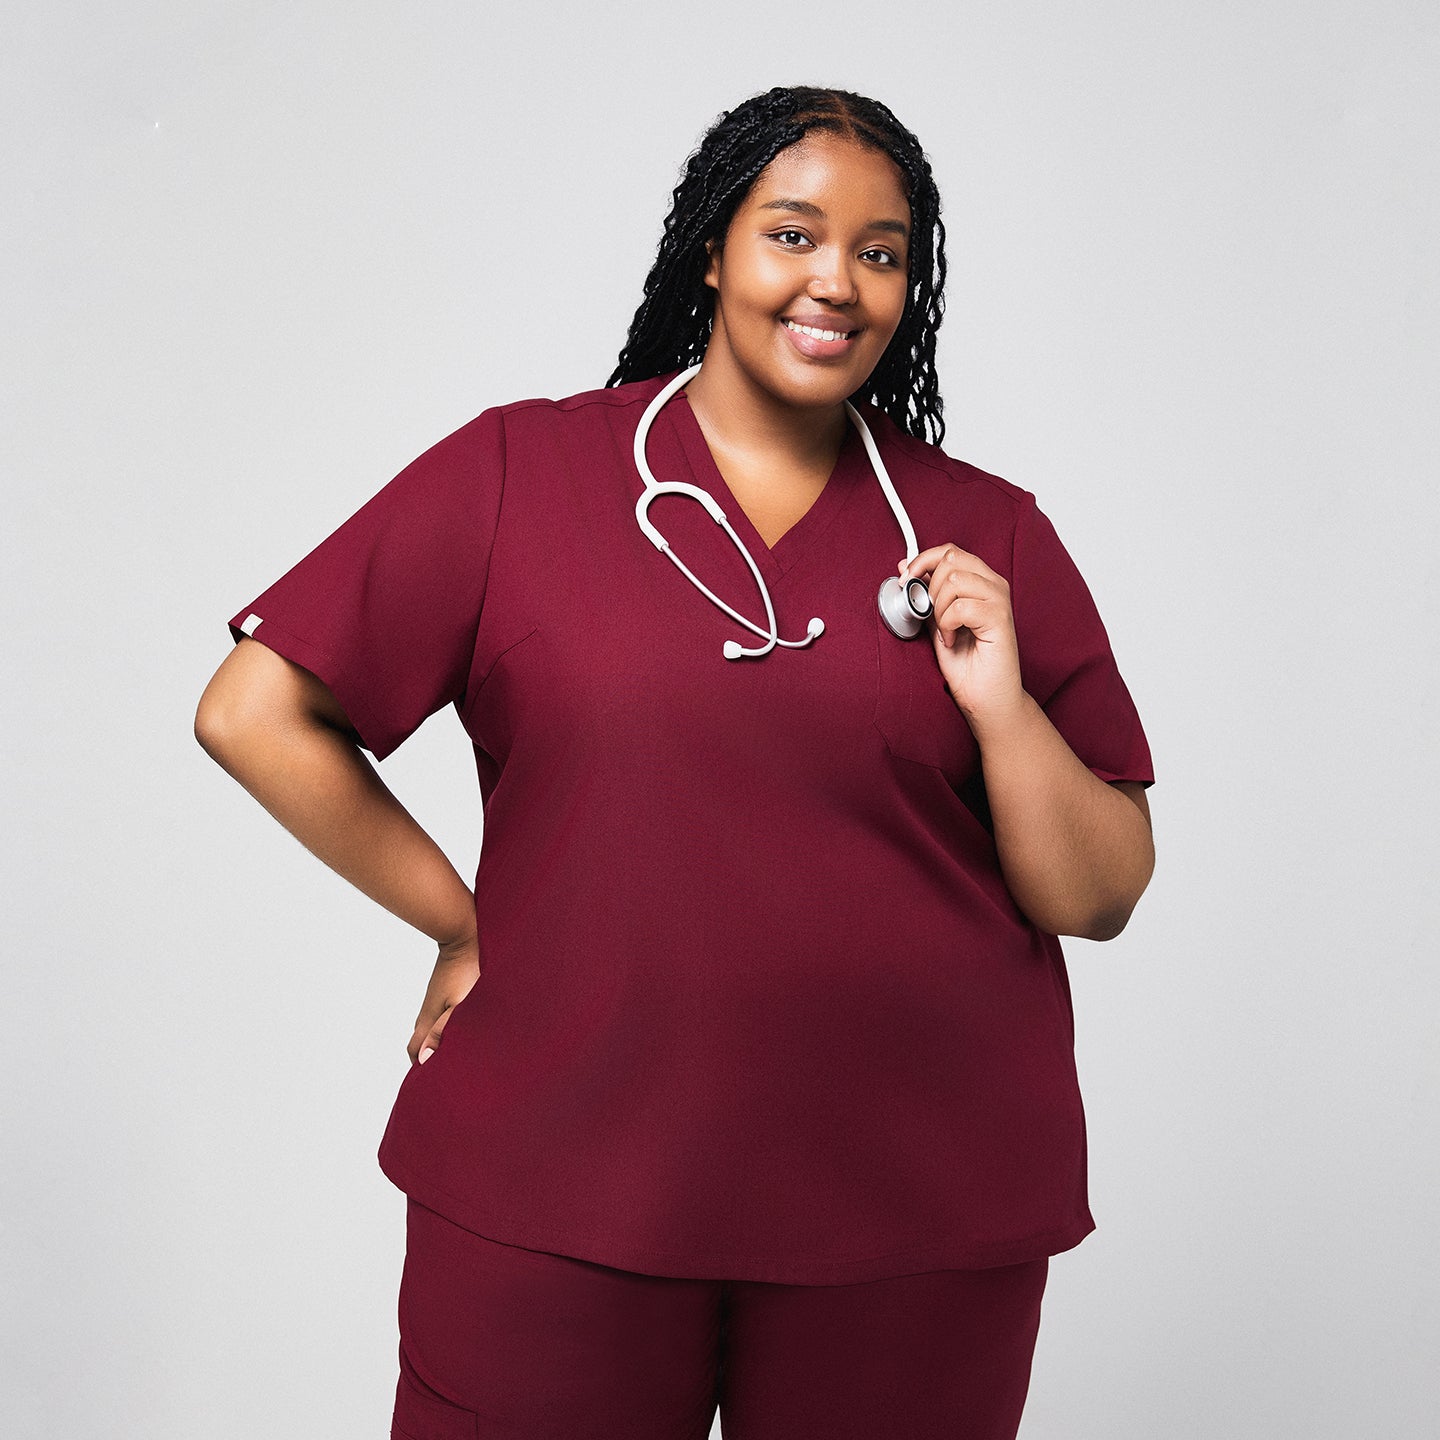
pixel 1066 662
pixel 386 609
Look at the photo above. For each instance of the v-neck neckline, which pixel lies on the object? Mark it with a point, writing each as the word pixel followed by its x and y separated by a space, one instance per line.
pixel 773 560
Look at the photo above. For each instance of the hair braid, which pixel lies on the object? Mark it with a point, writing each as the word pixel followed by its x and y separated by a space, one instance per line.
pixel 672 325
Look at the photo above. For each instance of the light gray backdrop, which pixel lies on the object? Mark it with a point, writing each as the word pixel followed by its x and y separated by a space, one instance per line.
pixel 258 256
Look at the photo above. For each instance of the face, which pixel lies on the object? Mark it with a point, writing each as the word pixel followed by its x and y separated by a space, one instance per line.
pixel 821 241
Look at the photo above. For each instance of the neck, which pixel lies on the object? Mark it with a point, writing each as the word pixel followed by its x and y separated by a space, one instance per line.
pixel 739 418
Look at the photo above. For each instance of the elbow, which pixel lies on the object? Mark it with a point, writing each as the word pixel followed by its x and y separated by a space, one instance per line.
pixel 216 732
pixel 240 694
pixel 1091 922
pixel 1082 924
pixel 1107 925
pixel 222 716
pixel 1106 922
pixel 210 725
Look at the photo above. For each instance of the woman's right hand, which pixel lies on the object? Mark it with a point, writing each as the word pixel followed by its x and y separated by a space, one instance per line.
pixel 457 968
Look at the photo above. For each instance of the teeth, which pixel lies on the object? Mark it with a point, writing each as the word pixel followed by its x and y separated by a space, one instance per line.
pixel 817 334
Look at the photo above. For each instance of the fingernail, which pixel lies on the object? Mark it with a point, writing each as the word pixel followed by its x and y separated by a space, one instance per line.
pixel 426 1053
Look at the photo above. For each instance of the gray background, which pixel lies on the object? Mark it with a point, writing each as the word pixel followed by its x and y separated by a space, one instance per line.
pixel 258 256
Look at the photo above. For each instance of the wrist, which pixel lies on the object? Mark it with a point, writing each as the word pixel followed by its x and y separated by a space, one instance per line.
pixel 462 934
pixel 994 721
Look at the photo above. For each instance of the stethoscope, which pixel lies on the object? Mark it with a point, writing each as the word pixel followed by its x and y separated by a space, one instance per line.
pixel 903 607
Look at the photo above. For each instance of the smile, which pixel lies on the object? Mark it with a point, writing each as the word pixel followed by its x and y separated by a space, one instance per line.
pixel 814 334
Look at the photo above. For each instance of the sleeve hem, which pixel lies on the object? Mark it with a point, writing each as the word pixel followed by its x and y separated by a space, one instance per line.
pixel 1141 777
pixel 373 735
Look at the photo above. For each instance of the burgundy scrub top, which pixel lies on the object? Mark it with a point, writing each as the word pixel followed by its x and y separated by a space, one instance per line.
pixel 755 1002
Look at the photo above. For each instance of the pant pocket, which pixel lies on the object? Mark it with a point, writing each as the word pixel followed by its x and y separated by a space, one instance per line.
pixel 421 1414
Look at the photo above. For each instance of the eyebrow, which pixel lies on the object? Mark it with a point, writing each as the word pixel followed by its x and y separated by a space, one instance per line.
pixel 804 207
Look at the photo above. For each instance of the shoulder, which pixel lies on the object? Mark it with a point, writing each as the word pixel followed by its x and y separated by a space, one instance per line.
pixel 588 409
pixel 514 431
pixel 930 469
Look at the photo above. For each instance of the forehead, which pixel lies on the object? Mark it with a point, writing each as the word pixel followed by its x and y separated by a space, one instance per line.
pixel 841 176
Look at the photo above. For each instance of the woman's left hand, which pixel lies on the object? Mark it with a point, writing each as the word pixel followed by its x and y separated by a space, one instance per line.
pixel 972 629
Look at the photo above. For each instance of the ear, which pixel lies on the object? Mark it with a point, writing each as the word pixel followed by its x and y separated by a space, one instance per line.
pixel 712 264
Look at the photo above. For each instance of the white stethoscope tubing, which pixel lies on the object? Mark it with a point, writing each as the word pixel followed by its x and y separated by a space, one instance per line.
pixel 655 488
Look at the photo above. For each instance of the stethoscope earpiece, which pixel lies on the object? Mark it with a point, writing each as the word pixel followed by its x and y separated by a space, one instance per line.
pixel 905 607
pixel 904 611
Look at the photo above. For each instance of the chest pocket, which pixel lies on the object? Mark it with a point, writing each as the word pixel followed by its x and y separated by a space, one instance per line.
pixel 914 712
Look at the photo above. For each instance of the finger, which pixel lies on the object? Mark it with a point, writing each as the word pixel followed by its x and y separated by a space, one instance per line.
pixel 432 1040
pixel 968 586
pixel 425 1042
pixel 926 561
pixel 962 613
pixel 947 629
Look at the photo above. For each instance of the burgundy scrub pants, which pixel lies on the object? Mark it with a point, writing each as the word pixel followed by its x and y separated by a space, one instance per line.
pixel 500 1341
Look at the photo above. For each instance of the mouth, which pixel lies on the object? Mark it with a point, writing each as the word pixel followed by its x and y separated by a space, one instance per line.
pixel 818 341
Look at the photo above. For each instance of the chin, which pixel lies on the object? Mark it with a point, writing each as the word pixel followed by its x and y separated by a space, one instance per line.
pixel 813 385
pixel 824 388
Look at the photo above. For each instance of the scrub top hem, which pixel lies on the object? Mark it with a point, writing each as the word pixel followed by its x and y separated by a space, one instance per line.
pixel 916 1258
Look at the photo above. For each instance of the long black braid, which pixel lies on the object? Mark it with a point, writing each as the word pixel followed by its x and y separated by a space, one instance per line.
pixel 672 326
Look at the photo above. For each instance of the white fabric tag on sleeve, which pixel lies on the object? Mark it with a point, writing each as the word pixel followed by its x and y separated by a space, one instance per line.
pixel 251 621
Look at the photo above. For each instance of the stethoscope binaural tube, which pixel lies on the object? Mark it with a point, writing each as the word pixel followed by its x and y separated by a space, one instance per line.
pixel 904 608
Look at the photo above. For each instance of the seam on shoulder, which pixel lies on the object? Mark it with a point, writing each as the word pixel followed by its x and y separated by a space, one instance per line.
pixel 609 397
pixel 1014 531
pixel 1014 493
pixel 958 471
pixel 494 528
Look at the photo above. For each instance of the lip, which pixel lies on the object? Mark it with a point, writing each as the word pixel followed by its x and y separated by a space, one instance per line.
pixel 808 345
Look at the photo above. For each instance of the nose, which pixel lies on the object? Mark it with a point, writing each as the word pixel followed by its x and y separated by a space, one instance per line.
pixel 832 279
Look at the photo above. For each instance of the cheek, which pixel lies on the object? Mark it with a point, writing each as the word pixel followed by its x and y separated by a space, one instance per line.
pixel 764 287
pixel 892 302
pixel 893 311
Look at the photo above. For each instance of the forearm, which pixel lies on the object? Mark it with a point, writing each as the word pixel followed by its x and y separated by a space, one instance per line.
pixel 323 789
pixel 1076 853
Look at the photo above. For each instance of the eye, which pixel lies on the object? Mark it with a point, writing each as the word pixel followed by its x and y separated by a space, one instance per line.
pixel 798 234
pixel 883 255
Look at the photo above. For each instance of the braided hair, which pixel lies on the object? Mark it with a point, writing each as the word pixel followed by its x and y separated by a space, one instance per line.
pixel 671 328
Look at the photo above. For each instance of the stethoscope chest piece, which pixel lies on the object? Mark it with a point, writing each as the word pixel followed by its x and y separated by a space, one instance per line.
pixel 905 607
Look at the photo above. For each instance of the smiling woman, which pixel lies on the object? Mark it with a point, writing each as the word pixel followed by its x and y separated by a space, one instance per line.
pixel 804 310
pixel 745 1075
pixel 856 182
pixel 823 287
pixel 801 318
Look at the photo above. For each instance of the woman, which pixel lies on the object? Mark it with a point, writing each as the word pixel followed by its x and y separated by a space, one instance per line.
pixel 745 1074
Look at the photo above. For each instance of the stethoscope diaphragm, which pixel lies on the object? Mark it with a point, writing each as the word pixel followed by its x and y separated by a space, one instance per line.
pixel 905 606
